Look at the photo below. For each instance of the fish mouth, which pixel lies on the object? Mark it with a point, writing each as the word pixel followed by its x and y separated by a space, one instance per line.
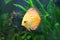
pixel 22 24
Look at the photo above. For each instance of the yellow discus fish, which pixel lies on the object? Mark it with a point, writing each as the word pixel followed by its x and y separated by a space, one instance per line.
pixel 31 19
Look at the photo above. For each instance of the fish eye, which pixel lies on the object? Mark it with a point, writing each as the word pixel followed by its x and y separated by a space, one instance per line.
pixel 25 21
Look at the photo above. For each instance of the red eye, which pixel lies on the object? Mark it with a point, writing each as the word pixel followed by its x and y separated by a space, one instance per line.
pixel 25 21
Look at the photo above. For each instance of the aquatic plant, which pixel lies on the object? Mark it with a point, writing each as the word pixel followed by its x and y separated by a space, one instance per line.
pixel 49 28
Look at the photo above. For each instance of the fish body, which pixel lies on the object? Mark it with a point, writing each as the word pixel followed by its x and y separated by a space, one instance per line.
pixel 31 19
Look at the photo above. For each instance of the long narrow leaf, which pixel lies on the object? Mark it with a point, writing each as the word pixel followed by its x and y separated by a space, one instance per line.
pixel 20 6
pixel 41 5
pixel 31 3
pixel 7 1
pixel 27 1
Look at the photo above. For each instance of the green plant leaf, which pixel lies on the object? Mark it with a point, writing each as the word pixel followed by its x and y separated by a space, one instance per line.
pixel 27 1
pixel 7 1
pixel 31 3
pixel 4 16
pixel 20 6
pixel 50 6
pixel 42 8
